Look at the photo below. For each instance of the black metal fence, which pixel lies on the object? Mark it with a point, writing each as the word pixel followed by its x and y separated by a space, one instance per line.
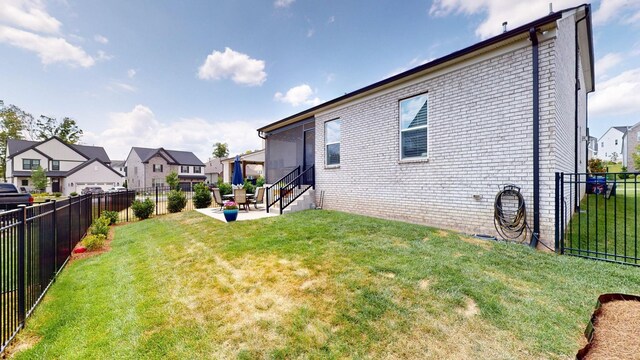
pixel 35 244
pixel 597 216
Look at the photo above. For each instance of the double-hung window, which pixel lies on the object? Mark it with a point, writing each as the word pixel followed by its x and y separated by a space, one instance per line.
pixel 55 164
pixel 197 169
pixel 413 127
pixel 157 167
pixel 30 164
pixel 332 141
pixel 184 169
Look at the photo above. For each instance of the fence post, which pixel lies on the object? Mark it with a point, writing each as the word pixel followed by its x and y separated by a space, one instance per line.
pixel 55 239
pixel 99 203
pixel 557 212
pixel 70 234
pixel 156 200
pixel 22 231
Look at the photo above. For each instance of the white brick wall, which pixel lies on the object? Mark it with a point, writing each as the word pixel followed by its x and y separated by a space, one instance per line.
pixel 480 136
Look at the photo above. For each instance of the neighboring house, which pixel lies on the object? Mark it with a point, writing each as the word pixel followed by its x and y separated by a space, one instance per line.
pixel 213 170
pixel 69 168
pixel 150 167
pixel 592 147
pixel 252 165
pixel 118 165
pixel 630 141
pixel 434 144
pixel 610 144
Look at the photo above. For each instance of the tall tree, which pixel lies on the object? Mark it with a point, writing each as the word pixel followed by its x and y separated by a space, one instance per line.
pixel 220 150
pixel 67 129
pixel 39 179
pixel 12 122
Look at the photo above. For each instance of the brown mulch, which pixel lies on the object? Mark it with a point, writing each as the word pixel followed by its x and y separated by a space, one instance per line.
pixel 617 331
pixel 106 248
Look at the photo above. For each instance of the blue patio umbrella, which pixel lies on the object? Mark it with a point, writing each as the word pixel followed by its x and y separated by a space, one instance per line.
pixel 237 172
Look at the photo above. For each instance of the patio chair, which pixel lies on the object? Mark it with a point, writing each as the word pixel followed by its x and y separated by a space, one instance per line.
pixel 240 197
pixel 217 197
pixel 259 197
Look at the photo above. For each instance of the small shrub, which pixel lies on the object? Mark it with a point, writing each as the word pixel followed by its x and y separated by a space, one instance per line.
pixel 596 166
pixel 177 201
pixel 142 209
pixel 94 241
pixel 202 196
pixel 73 193
pixel 248 185
pixel 111 215
pixel 57 194
pixel 100 226
pixel 625 176
pixel 260 181
pixel 225 188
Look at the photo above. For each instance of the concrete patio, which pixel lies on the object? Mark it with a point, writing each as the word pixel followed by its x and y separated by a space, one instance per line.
pixel 243 215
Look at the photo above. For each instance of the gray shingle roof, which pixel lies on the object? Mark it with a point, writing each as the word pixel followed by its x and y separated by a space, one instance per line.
pixel 90 152
pixel 180 157
pixel 622 129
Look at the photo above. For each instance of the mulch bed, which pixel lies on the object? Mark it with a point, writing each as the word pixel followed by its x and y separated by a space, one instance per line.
pixel 106 248
pixel 616 329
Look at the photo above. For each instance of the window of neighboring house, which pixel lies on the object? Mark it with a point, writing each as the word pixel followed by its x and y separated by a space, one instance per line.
pixel 413 127
pixel 197 169
pixel 184 169
pixel 25 182
pixel 30 164
pixel 55 164
pixel 157 167
pixel 602 144
pixel 616 142
pixel 135 171
pixel 638 136
pixel 332 138
pixel 157 182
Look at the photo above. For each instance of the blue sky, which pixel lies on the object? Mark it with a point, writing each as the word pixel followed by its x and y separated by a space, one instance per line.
pixel 186 74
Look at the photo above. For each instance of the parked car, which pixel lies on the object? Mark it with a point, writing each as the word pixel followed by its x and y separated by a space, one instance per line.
pixel 11 197
pixel 117 189
pixel 96 190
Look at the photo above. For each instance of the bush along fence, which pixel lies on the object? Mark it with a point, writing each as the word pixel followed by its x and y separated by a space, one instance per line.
pixel 35 244
pixel 603 223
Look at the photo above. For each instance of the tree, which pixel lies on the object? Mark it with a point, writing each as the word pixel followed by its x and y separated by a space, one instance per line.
pixel 220 150
pixel 67 130
pixel 12 122
pixel 172 180
pixel 39 179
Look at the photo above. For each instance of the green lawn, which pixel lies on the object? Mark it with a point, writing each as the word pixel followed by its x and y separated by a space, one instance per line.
pixel 316 284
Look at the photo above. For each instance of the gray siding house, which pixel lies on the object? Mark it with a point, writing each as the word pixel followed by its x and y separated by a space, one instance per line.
pixel 147 167
pixel 434 144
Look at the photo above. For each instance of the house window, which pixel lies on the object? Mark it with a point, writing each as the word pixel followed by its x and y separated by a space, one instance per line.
pixel 25 182
pixel 184 169
pixel 55 164
pixel 157 183
pixel 413 127
pixel 135 170
pixel 197 169
pixel 157 167
pixel 616 143
pixel 332 141
pixel 638 136
pixel 602 144
pixel 30 164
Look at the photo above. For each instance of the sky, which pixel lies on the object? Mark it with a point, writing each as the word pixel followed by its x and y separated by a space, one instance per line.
pixel 184 75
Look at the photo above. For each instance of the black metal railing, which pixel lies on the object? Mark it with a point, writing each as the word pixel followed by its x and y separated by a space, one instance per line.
pixel 35 244
pixel 298 186
pixel 597 216
pixel 272 193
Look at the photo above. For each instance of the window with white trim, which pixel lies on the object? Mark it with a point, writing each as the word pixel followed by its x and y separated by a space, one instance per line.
pixel 197 169
pixel 332 141
pixel 184 169
pixel 157 167
pixel 413 127
pixel 30 164
pixel 55 164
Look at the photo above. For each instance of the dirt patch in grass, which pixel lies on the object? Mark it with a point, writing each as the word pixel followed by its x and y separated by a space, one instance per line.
pixel 616 331
pixel 21 343
pixel 485 244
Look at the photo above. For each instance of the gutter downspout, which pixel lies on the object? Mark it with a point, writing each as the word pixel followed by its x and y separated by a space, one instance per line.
pixel 576 202
pixel 533 36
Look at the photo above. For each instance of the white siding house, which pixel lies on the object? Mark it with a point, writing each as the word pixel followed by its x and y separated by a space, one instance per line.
pixel 433 145
pixel 66 166
pixel 610 144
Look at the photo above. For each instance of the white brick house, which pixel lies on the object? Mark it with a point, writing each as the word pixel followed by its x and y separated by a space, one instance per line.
pixel 433 145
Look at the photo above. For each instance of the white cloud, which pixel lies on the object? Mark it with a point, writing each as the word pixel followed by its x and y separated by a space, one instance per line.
pixel 516 13
pixel 131 73
pixel 310 32
pixel 29 15
pixel 238 66
pixel 330 78
pixel 101 39
pixel 332 19
pixel 27 25
pixel 103 56
pixel 49 49
pixel 617 96
pixel 298 95
pixel 140 127
pixel 283 3
pixel 625 11
pixel 120 86
pixel 607 62
pixel 413 63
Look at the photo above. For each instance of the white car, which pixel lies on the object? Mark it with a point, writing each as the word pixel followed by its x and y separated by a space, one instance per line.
pixel 117 189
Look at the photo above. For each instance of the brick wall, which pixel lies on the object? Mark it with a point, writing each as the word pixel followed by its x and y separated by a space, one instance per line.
pixel 480 136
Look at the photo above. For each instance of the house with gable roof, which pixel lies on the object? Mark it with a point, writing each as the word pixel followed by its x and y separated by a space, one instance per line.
pixel 69 167
pixel 147 167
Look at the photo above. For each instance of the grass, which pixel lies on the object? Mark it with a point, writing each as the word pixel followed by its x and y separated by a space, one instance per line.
pixel 607 226
pixel 316 284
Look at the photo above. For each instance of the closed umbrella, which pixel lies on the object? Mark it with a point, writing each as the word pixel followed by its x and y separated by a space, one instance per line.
pixel 237 172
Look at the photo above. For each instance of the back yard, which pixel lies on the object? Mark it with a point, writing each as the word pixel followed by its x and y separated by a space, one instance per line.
pixel 316 284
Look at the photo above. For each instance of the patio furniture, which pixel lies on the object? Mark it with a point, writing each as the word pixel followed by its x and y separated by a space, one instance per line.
pixel 217 198
pixel 258 198
pixel 240 198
